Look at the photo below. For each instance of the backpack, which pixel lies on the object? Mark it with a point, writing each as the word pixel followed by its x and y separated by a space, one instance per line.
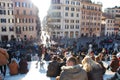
pixel 53 69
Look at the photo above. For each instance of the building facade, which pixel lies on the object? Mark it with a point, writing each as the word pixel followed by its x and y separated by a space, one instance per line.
pixel 91 14
pixel 18 20
pixel 64 18
pixel 74 18
pixel 6 20
pixel 26 15
pixel 115 13
pixel 109 23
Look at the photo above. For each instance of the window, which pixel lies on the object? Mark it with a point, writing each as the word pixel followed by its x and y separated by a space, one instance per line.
pixel 29 20
pixel 83 23
pixel 72 2
pixel 66 21
pixel 67 8
pixel 72 14
pixel 67 2
pixel 24 4
pixel 12 20
pixel 31 28
pixel 31 13
pixel 8 20
pixel 11 28
pixel 3 20
pixel 24 12
pixel 2 12
pixel 77 3
pixel 20 20
pixel 72 9
pixel 25 28
pixel 72 21
pixel 77 15
pixel 2 4
pixel 32 20
pixel 77 21
pixel 66 14
pixel 10 5
pixel 30 5
pixel 55 1
pixel 26 20
pixel 17 12
pixel 10 12
pixel 77 26
pixel 71 26
pixel 17 4
pixel 66 26
pixel 18 29
pixel 4 29
pixel 77 9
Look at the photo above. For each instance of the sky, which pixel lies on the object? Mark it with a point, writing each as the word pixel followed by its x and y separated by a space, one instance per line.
pixel 44 5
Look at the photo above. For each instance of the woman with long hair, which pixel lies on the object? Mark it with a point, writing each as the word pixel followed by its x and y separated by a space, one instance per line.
pixel 93 69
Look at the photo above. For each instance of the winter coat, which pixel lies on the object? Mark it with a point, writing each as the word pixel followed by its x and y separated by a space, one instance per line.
pixel 23 66
pixel 95 73
pixel 53 69
pixel 73 73
pixel 114 65
pixel 13 67
pixel 3 60
pixel 4 52
pixel 3 57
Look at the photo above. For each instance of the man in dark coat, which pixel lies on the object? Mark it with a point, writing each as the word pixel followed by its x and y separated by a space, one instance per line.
pixel 23 66
pixel 53 68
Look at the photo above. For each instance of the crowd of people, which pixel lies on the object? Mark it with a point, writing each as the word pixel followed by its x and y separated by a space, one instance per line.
pixel 15 67
pixel 66 63
pixel 85 67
